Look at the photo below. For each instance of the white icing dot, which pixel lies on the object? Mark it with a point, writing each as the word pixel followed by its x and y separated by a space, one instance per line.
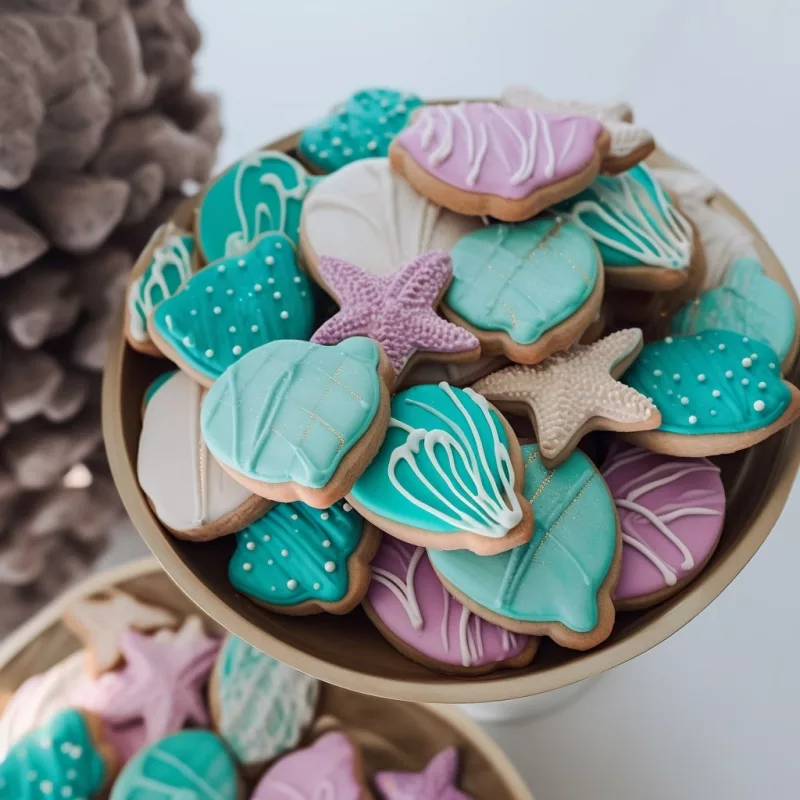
pixel 745 381
pixel 270 562
pixel 276 295
pixel 187 341
pixel 209 353
pixel 347 151
pixel 242 262
pixel 747 363
pixel 294 516
pixel 657 373
pixel 251 545
pixel 684 401
pixel 284 552
pixel 713 412
pixel 193 312
pixel 729 374
pixel 699 338
pixel 229 292
pixel 382 120
pixel 267 537
pixel 721 347
pixel 693 420
pixel 771 365
pixel 326 542
pixel 330 566
pixel 371 144
pixel 247 566
pixel 324 515
pixel 71 774
pixel 759 405
pixel 669 340
pixel 669 392
pixel 716 393
pixel 316 586
pixel 754 356
pixel 312 148
pixel 278 246
pixel 209 289
pixel 762 386
pixel 236 350
pixel 221 268
pixel 232 329
pixel 701 378
pixel 270 281
pixel 46 787
pixel 336 141
pixel 291 583
pixel 284 315
pixel 745 339
pixel 347 507
pixel 303 293
pixel 676 377
pixel 273 588
pixel 217 310
pixel 298 279
pixel 269 260
pixel 258 287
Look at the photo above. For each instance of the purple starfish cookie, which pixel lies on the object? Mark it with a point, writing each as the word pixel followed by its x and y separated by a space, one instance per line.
pixel 398 310
pixel 435 782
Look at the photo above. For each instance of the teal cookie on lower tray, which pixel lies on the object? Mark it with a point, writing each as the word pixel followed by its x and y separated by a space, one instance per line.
pixel 747 302
pixel 361 127
pixel 189 764
pixel 57 760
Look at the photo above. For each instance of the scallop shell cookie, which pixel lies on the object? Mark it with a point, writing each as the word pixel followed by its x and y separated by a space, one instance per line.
pixel 232 306
pixel 301 560
pixel 260 707
pixel 365 214
pixel 188 490
pixel 418 616
pixel 671 513
pixel 483 159
pixel 717 391
pixel 525 290
pixel 297 421
pixel 560 583
pixel 448 474
pixel 361 127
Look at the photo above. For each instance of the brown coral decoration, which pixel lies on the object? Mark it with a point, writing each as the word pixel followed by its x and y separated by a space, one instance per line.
pixel 101 130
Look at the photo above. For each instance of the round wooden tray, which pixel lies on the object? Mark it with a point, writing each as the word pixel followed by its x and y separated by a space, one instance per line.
pixel 392 735
pixel 348 651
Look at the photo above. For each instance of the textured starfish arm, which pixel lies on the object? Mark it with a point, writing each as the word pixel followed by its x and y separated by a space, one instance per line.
pixel 349 283
pixel 419 283
pixel 344 325
pixel 431 332
pixel 623 404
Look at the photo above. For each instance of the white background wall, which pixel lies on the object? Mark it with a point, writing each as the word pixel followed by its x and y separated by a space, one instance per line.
pixel 715 711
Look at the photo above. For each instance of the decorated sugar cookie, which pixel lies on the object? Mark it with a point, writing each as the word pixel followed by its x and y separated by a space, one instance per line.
pixel 331 767
pixel 297 421
pixel 747 302
pixel 190 493
pixel 100 621
pixel 486 159
pixel 456 374
pixel 671 512
pixel 260 707
pixel 437 781
pixel 448 474
pixel 65 758
pixel 301 560
pixel 368 215
pixel 418 616
pixel 574 392
pixel 161 271
pixel 525 290
pixel 644 240
pixel 189 764
pixel 630 143
pixel 262 193
pixel 233 306
pixel 560 583
pixel 717 392
pixel 398 310
pixel 361 127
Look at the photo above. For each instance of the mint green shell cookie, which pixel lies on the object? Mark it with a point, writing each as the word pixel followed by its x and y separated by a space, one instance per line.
pixel 522 279
pixel 262 193
pixel 361 127
pixel 747 302
pixel 296 554
pixel 191 764
pixel 263 707
pixel 555 577
pixel 235 305
pixel 712 382
pixel 57 760
pixel 291 410
pixel 169 268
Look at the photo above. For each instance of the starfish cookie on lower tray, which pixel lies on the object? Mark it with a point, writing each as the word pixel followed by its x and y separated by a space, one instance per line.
pixel 574 392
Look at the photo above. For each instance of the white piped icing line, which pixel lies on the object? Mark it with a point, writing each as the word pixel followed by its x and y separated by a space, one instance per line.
pixel 493 512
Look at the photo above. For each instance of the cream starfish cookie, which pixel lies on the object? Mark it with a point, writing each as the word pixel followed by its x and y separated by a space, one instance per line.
pixel 574 392
pixel 630 143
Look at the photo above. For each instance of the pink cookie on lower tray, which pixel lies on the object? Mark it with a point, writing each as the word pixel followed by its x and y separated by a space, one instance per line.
pixel 435 782
pixel 329 768
pixel 417 615
pixel 671 514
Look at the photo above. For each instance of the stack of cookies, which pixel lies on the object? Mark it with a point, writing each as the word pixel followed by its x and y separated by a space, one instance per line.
pixel 154 707
pixel 466 366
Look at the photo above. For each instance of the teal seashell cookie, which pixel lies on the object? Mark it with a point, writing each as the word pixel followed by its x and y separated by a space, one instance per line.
pixel 233 306
pixel 747 302
pixel 523 279
pixel 290 411
pixel 57 760
pixel 261 707
pixel 361 127
pixel 261 193
pixel 559 583
pixel 633 221
pixel 712 382
pixel 189 764
pixel 299 558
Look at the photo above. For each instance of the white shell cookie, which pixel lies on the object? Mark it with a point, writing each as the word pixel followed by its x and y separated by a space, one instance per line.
pixel 367 215
pixel 188 490
pixel 260 707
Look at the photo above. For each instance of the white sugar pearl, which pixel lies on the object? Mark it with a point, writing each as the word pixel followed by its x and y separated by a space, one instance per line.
pixel 276 295
pixel 247 566
pixel 323 153
pixel 251 545
pixel 347 151
pixel 721 347
pixel 657 373
pixel 209 289
pixel 242 262
pixel 693 420
pixel 324 515
pixel 270 562
pixel 284 552
pixel 729 374
pixel 312 148
pixel 270 281
pixel 745 381
pixel 237 350
pixel 684 401
pixel 291 583
pixel 254 328
pixel 347 507
pixel 278 246
pixel 232 329
pixel 221 268
pixel 326 542
pixel 713 412
pixel 298 279
pixel 716 393
pixel 316 586
pixel 273 588
pixel 330 566
pixel 771 365
pixel 669 340
pixel 46 787
pixel 759 405
pixel 754 356
pixel 294 516
pixel 258 287
pixel 209 353
pixel 745 339
pixel 336 141
pixel 284 315
pixel 701 378
pixel 269 260
pixel 762 386
pixel 372 144
pixel 187 341
pixel 229 292
pixel 217 310
pixel 747 363
pixel 193 312
pixel 267 537
pixel 676 377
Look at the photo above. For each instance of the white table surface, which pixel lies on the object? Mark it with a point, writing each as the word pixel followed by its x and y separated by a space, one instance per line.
pixel 714 711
